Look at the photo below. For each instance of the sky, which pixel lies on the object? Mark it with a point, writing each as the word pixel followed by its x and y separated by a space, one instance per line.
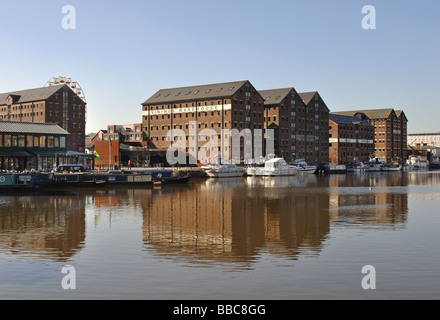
pixel 122 52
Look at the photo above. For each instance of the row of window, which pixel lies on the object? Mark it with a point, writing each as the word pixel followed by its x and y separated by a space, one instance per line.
pixel 32 141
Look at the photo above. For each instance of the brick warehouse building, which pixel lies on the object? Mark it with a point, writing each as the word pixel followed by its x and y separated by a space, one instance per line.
pixel 223 106
pixel 312 128
pixel 300 122
pixel 391 132
pixel 350 139
pixel 53 104
pixel 119 144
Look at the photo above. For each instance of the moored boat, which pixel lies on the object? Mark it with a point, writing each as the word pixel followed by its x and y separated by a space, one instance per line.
pixel 392 167
pixel 375 165
pixel 224 171
pixel 15 182
pixel 304 167
pixel 276 167
pixel 357 167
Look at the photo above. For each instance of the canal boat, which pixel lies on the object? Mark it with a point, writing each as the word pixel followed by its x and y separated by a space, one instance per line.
pixel 168 176
pixel 15 182
pixel 304 167
pixel 224 171
pixel 276 167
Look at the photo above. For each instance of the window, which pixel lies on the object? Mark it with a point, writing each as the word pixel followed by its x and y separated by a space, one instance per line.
pixel 56 141
pixel 29 141
pixel 14 141
pixel 50 141
pixel 42 142
pixel 1 140
pixel 36 142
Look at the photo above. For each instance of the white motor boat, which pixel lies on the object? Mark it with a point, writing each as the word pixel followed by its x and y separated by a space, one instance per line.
pixel 392 167
pixel 276 167
pixel 224 171
pixel 304 167
pixel 357 167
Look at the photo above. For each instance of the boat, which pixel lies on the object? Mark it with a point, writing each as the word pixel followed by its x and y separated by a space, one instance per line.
pixel 392 167
pixel 357 167
pixel 304 167
pixel 276 167
pixel 337 168
pixel 224 171
pixel 15 182
pixel 375 165
pixel 418 163
pixel 434 166
pixel 251 171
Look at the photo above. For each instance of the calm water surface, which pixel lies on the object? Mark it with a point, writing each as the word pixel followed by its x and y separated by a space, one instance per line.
pixel 304 237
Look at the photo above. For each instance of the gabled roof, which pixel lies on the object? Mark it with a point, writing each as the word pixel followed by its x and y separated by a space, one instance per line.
pixel 308 96
pixel 371 114
pixel 400 113
pixel 210 91
pixel 31 127
pixel 30 95
pixel 275 96
pixel 341 119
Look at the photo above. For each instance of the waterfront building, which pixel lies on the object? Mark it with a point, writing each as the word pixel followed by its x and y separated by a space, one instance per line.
pixel 312 128
pixel 119 144
pixel 350 139
pixel 424 139
pixel 300 124
pixel 36 146
pixel 279 115
pixel 52 104
pixel 390 132
pixel 200 114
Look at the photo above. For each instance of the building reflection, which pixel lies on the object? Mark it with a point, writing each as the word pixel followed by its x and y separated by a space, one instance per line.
pixel 378 200
pixel 46 227
pixel 228 221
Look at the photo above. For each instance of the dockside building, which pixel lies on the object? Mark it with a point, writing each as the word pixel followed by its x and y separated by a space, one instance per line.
pixel 391 132
pixel 203 113
pixel 52 104
pixel 350 140
pixel 300 122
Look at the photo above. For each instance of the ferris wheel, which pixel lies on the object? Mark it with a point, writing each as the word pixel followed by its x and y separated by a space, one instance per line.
pixel 74 85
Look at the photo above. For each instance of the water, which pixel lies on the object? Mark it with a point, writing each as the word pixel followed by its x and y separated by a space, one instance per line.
pixel 304 237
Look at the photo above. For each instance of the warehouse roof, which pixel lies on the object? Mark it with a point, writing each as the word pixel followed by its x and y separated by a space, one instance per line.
pixel 341 119
pixel 210 91
pixel 30 95
pixel 31 127
pixel 371 114
pixel 275 96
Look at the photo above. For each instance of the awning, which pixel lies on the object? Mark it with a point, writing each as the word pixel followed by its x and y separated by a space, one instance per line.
pixel 43 153
pixel 14 153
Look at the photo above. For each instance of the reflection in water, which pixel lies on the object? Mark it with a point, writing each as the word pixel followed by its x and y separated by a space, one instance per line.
pixel 370 200
pixel 46 227
pixel 232 220
pixel 225 221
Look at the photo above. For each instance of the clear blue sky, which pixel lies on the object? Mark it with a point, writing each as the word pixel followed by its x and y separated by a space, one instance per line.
pixel 122 52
